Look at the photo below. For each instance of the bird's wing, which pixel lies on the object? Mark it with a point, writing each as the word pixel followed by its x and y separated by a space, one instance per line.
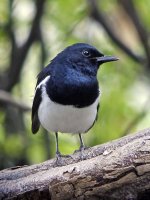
pixel 98 106
pixel 36 102
pixel 38 98
pixel 43 74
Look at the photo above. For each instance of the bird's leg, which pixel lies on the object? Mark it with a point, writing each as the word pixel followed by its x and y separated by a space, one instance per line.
pixel 82 146
pixel 59 161
pixel 58 154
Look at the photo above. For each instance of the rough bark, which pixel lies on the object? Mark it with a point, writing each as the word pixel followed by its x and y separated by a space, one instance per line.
pixel 119 169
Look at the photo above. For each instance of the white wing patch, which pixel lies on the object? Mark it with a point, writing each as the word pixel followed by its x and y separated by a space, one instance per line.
pixel 43 82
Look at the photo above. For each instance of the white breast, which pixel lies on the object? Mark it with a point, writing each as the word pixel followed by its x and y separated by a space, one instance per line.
pixel 65 118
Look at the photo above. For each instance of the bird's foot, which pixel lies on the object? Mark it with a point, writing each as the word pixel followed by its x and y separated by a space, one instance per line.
pixel 81 150
pixel 60 159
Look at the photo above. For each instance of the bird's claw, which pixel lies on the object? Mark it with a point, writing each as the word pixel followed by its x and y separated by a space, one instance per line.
pixel 82 148
pixel 60 159
pixel 81 151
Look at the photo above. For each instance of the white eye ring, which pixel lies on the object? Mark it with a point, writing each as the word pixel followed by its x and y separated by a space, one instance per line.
pixel 86 53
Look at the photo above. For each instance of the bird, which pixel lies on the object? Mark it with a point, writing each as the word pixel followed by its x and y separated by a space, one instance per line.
pixel 67 92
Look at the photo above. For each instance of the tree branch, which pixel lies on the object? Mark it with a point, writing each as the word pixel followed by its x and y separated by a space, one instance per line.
pixel 19 53
pixel 129 7
pixel 6 98
pixel 116 170
pixel 98 16
pixel 138 118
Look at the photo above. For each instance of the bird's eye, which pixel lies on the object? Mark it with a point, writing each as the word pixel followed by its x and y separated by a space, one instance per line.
pixel 86 53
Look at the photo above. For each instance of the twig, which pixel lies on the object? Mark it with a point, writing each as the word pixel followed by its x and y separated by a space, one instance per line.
pixel 19 53
pixel 129 7
pixel 6 98
pixel 134 122
pixel 98 16
pixel 137 118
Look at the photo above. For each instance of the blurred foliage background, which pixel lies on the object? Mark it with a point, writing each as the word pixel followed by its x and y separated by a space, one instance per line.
pixel 33 32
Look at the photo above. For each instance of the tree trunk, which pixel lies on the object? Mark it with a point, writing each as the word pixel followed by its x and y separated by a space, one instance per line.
pixel 119 169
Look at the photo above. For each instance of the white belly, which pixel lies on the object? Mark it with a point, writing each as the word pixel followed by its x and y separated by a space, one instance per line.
pixel 66 119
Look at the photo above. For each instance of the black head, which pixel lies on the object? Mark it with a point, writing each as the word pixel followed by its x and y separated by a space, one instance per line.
pixel 84 57
pixel 73 75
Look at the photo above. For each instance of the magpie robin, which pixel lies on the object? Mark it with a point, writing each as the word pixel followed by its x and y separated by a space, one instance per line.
pixel 67 93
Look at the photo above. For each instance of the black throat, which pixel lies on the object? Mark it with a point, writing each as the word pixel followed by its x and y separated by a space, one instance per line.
pixel 72 89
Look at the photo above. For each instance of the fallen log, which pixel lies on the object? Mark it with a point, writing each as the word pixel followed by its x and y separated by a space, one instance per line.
pixel 119 169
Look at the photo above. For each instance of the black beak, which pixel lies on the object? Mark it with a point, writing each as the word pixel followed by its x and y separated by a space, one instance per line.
pixel 104 59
